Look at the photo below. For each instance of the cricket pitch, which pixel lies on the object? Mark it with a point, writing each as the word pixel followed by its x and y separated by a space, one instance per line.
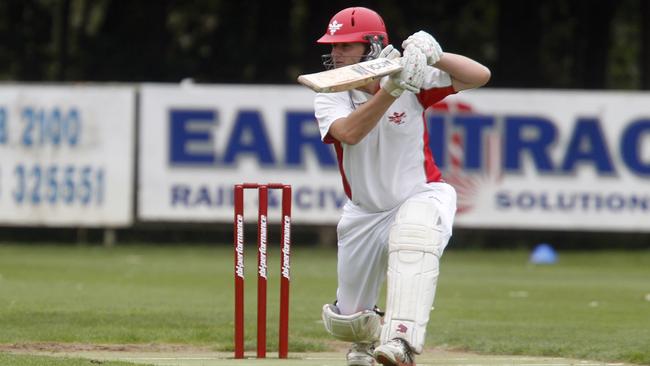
pixel 207 358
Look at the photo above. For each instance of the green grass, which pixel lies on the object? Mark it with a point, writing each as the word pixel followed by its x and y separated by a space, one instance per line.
pixel 589 305
pixel 26 360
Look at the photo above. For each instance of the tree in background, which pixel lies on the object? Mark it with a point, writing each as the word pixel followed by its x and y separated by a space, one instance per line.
pixel 543 44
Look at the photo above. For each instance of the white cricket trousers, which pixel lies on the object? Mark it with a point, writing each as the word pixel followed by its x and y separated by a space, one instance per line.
pixel 363 247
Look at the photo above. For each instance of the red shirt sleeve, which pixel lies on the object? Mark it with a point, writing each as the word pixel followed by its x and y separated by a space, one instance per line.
pixel 329 139
pixel 432 96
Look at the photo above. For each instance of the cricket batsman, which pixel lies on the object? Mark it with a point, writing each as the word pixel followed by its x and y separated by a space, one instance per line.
pixel 399 214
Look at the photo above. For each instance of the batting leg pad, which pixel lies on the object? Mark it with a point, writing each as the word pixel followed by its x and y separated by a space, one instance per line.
pixel 361 327
pixel 414 248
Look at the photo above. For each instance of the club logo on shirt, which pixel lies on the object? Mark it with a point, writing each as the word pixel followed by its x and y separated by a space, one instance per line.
pixel 397 118
pixel 401 328
pixel 334 26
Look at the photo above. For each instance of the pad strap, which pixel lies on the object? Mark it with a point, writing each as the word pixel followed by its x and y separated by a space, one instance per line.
pixel 361 327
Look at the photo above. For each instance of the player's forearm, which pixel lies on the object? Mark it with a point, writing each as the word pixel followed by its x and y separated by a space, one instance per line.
pixel 465 72
pixel 352 129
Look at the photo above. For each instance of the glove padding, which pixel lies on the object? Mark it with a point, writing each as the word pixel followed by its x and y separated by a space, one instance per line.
pixel 425 43
pixel 389 52
pixel 411 77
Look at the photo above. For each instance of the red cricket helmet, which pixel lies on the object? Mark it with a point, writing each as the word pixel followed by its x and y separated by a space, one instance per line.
pixel 355 24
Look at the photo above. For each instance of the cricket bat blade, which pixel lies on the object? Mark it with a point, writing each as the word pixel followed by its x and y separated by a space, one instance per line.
pixel 349 77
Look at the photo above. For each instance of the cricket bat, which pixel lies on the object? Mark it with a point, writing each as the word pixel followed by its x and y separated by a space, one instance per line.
pixel 349 77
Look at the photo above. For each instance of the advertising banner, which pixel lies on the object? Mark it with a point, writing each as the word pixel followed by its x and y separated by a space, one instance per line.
pixel 547 159
pixel 567 160
pixel 67 155
pixel 197 141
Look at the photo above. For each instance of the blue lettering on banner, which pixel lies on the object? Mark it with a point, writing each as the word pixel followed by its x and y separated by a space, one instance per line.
pixel 249 137
pixel 525 140
pixel 38 184
pixel 50 127
pixel 190 140
pixel 588 145
pixel 303 132
pixel 188 196
pixel 216 196
pixel 571 202
pixel 437 139
pixel 180 195
pixel 42 129
pixel 308 198
pixel 529 134
pixel 631 146
pixel 3 126
pixel 537 139
pixel 473 126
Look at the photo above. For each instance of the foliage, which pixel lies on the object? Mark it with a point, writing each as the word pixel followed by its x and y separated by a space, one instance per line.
pixel 543 44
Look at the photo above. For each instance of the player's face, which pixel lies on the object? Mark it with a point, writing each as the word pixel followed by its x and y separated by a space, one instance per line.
pixel 344 54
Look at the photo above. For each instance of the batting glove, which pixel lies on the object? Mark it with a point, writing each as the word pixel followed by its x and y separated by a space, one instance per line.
pixel 410 78
pixel 389 52
pixel 392 88
pixel 425 43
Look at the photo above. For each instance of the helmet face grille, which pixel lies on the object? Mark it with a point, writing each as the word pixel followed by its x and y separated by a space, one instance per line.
pixel 327 61
pixel 373 49
pixel 376 45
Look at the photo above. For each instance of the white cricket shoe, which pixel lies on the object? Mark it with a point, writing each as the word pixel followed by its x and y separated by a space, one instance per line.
pixel 395 352
pixel 360 354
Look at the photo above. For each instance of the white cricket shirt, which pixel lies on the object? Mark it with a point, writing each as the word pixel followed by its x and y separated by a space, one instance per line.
pixel 393 162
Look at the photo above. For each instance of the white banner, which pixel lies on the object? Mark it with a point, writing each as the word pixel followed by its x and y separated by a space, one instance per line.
pixel 66 155
pixel 197 141
pixel 547 159
pixel 518 159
